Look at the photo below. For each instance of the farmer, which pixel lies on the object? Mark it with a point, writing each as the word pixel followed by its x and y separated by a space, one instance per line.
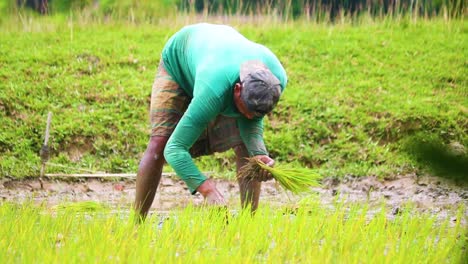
pixel 212 89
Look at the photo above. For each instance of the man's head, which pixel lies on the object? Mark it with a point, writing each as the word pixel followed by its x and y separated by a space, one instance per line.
pixel 260 89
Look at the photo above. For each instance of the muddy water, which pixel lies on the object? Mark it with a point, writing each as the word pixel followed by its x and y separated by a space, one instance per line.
pixel 428 194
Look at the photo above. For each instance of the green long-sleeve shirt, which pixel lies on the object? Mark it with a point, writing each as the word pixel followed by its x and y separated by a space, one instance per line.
pixel 205 60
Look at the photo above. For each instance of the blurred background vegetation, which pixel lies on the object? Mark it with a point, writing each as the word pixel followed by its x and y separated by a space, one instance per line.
pixel 286 9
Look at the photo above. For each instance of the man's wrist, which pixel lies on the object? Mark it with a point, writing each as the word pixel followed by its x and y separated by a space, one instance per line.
pixel 258 153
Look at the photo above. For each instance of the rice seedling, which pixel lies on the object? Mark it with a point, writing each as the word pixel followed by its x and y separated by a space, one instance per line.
pixel 85 206
pixel 296 180
pixel 33 234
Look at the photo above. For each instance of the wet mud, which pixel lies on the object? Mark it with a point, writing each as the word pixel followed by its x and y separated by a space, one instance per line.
pixel 428 194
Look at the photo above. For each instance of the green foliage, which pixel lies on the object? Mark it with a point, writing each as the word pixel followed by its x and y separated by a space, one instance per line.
pixel 285 10
pixel 145 10
pixel 332 10
pixel 356 92
pixel 79 207
pixel 91 233
pixel 66 6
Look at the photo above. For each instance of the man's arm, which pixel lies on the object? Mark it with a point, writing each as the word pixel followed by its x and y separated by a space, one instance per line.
pixel 200 112
pixel 251 132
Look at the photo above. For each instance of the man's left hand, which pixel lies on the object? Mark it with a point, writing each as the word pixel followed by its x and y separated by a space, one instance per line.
pixel 264 174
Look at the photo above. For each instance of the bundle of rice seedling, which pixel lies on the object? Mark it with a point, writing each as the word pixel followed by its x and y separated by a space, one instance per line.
pixel 295 180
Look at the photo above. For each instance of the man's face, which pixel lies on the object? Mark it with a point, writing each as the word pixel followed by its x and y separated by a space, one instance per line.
pixel 241 107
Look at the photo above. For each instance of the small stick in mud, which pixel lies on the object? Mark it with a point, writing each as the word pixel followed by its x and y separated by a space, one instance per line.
pixel 44 153
pixel 296 180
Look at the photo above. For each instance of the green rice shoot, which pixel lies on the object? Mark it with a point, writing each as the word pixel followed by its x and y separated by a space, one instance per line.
pixel 347 234
pixel 296 180
pixel 84 206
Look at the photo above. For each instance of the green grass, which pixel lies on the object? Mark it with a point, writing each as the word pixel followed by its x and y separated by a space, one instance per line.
pixel 40 235
pixel 357 93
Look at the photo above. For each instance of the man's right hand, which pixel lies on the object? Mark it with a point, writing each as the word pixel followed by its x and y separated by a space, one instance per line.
pixel 211 194
pixel 264 174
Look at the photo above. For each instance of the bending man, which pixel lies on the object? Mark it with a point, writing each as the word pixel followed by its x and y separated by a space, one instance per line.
pixel 211 92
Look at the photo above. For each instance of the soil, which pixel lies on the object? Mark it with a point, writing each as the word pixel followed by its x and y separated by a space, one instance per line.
pixel 434 195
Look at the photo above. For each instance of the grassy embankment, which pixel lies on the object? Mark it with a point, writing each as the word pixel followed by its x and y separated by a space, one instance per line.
pixel 37 234
pixel 357 93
